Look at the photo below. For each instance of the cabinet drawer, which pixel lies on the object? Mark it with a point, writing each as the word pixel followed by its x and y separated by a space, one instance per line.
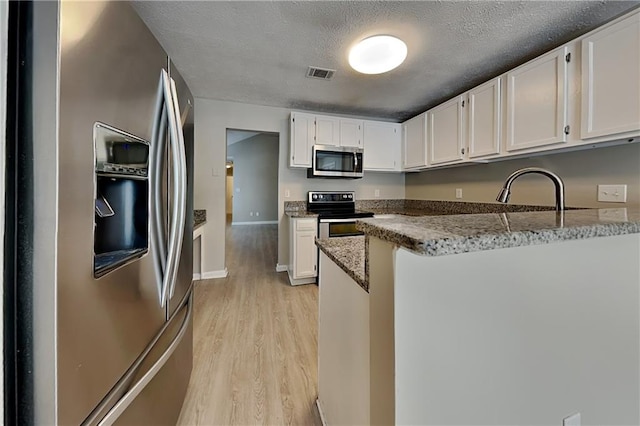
pixel 306 224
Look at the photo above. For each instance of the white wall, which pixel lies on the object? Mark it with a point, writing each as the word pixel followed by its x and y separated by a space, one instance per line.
pixel 212 120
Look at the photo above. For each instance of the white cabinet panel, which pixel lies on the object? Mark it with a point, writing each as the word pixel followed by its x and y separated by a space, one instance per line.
pixel 414 142
pixel 485 119
pixel 381 145
pixel 446 135
pixel 611 80
pixel 537 102
pixel 302 138
pixel 327 130
pixel 303 253
pixel 351 132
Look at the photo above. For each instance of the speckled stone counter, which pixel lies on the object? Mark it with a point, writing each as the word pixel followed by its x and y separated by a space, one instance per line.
pixel 297 209
pixel 453 234
pixel 349 254
pixel 199 218
pixel 437 208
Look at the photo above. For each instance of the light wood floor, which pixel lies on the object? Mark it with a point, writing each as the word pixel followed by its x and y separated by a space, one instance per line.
pixel 255 341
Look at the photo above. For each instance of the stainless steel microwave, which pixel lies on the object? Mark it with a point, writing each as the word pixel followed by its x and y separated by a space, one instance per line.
pixel 336 162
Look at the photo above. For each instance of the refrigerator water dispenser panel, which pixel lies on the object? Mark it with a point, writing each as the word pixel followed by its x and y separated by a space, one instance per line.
pixel 121 219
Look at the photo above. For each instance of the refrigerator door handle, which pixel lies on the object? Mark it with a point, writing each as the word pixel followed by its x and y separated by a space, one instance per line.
pixel 156 230
pixel 176 224
pixel 135 390
pixel 181 190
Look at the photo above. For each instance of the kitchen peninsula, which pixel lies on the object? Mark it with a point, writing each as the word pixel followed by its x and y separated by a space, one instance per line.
pixel 519 317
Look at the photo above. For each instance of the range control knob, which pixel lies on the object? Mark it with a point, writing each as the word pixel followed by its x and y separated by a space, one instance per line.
pixel 350 196
pixel 314 196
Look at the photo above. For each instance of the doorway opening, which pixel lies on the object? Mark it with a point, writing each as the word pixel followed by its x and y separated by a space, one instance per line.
pixel 251 199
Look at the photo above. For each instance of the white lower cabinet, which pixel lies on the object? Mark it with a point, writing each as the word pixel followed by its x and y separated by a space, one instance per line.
pixel 537 102
pixel 303 253
pixel 611 80
pixel 382 146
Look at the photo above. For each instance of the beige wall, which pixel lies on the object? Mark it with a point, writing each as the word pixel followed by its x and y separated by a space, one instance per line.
pixel 581 171
pixel 212 120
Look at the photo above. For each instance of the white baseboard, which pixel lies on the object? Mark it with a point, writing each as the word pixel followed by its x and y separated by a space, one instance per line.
pixel 196 277
pixel 263 222
pixel 215 274
pixel 324 423
pixel 301 281
pixel 281 268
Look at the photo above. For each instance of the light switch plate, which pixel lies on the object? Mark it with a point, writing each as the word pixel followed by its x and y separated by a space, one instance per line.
pixel 458 192
pixel 612 193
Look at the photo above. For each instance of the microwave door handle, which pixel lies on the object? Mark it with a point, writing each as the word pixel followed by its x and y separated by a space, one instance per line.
pixel 181 200
pixel 355 159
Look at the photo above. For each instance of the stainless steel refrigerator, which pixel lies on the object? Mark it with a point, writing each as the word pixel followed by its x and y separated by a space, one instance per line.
pixel 99 219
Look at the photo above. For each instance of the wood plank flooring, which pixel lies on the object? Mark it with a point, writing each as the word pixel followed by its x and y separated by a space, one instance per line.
pixel 255 341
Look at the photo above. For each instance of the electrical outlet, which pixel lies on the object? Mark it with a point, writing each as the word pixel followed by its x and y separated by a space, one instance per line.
pixel 612 193
pixel 376 193
pixel 250 213
pixel 458 192
pixel 287 193
pixel 572 420
pixel 257 213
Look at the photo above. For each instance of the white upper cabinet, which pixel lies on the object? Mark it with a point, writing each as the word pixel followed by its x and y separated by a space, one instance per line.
pixel 537 102
pixel 327 130
pixel 351 132
pixel 303 132
pixel 484 113
pixel 611 80
pixel 414 142
pixel 446 132
pixel 382 145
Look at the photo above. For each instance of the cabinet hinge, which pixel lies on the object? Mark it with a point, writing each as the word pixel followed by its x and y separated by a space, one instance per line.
pixel 462 104
pixel 567 57
pixel 293 120
pixel 314 267
pixel 566 130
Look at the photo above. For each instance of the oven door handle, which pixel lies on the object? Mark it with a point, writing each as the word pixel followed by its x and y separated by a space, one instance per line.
pixel 339 220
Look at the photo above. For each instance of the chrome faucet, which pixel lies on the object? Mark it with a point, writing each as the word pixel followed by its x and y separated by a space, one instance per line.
pixel 505 192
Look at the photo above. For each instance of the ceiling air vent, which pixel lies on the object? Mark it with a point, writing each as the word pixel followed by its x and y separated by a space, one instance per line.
pixel 321 73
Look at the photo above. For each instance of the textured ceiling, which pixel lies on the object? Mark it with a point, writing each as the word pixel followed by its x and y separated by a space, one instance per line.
pixel 258 52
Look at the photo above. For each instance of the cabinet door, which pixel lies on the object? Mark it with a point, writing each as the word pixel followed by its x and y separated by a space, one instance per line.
pixel 485 119
pixel 302 134
pixel 611 80
pixel 381 145
pixel 327 130
pixel 446 136
pixel 537 102
pixel 351 132
pixel 306 254
pixel 415 145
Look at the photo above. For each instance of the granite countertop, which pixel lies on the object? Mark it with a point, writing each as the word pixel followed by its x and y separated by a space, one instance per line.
pixel 300 213
pixel 454 234
pixel 349 254
pixel 199 218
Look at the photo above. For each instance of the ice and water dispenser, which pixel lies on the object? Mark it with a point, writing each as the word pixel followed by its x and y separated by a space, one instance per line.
pixel 121 198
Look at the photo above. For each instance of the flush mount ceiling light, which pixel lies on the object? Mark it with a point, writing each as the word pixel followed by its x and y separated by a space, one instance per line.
pixel 377 54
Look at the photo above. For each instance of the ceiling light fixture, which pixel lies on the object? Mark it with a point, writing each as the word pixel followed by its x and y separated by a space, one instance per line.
pixel 377 54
